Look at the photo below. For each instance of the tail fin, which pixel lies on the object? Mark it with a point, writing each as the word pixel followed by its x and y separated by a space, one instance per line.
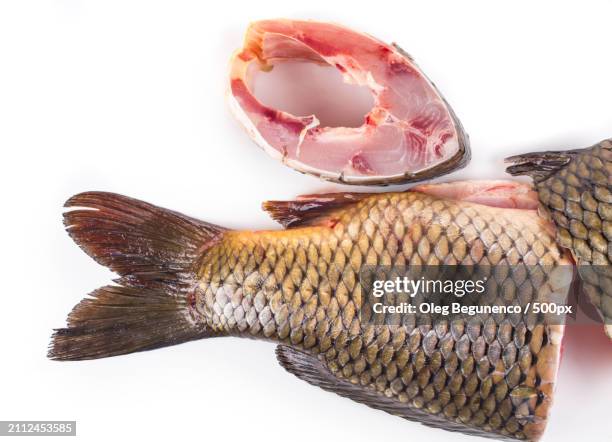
pixel 155 251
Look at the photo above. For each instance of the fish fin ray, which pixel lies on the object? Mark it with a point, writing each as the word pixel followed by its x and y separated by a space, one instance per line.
pixel 146 245
pixel 155 251
pixel 117 320
pixel 310 210
pixel 314 371
pixel 539 165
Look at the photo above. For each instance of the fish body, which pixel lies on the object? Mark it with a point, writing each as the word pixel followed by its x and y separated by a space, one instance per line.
pixel 183 279
pixel 575 190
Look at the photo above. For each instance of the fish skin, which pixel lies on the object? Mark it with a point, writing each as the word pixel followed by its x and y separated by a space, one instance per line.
pixel 575 190
pixel 300 288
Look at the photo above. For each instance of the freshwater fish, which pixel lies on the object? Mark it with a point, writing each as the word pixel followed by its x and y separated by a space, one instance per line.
pixel 183 279
pixel 410 134
pixel 575 190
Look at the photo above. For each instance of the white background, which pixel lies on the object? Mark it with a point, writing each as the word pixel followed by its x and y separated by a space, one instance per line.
pixel 128 97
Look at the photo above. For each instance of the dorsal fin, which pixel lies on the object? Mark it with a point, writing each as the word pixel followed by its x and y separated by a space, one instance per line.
pixel 310 210
pixel 539 165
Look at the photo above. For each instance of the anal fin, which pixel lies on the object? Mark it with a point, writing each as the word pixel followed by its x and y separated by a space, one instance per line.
pixel 314 371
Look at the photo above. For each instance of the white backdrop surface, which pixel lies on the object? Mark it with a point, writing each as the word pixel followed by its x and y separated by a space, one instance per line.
pixel 128 96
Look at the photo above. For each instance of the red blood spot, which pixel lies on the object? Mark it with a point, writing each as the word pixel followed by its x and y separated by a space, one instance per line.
pixel 360 164
pixel 422 124
pixel 400 68
pixel 191 300
pixel 384 51
pixel 270 114
pixel 331 223
pixel 429 119
pixel 340 68
pixel 445 137
pixel 438 150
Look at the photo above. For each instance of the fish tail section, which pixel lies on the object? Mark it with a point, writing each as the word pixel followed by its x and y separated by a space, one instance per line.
pixel 155 251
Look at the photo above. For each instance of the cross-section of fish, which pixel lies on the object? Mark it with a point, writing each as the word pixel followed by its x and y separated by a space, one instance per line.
pixel 410 134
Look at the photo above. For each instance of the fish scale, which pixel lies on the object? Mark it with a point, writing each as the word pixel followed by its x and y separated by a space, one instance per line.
pixel 301 287
pixel 582 214
pixel 575 190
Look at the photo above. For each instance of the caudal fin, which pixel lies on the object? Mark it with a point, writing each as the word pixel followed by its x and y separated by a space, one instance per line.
pixel 154 251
